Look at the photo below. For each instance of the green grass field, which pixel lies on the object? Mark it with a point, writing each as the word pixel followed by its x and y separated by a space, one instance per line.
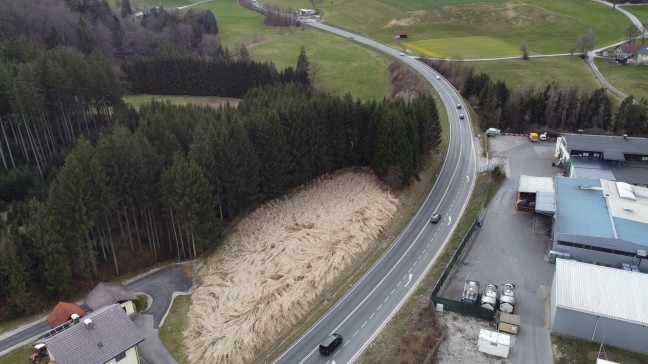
pixel 640 11
pixel 137 100
pixel 546 26
pixel 628 78
pixel 343 65
pixel 467 47
pixel 567 71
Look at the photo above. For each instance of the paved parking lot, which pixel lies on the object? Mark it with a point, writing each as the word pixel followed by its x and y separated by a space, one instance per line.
pixel 512 247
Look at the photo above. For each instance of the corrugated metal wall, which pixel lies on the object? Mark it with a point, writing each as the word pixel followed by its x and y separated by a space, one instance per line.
pixel 609 331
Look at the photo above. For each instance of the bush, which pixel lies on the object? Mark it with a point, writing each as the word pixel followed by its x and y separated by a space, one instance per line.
pixel 141 303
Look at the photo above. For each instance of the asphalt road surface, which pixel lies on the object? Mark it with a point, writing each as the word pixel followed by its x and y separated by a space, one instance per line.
pixel 367 307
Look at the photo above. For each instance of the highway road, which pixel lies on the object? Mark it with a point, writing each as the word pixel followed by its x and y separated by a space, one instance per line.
pixel 367 307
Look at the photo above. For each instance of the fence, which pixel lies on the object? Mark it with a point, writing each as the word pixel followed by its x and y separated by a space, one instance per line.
pixel 458 306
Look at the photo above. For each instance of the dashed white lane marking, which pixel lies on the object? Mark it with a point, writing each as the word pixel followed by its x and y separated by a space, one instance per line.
pixel 419 258
pixel 399 283
pixel 345 343
pixel 363 324
pixel 356 333
pixel 372 315
pixel 425 249
pixel 379 307
pixel 409 270
pixel 414 265
pixel 386 299
pixel 393 290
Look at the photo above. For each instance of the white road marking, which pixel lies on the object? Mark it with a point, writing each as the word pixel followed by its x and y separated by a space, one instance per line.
pixel 449 219
pixel 379 307
pixel 467 178
pixel 393 290
pixel 419 258
pixel 356 333
pixel 399 283
pixel 409 279
pixel 372 315
pixel 386 299
pixel 363 324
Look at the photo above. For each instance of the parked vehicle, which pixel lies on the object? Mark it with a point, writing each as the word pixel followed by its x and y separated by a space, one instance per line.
pixel 471 292
pixel 41 352
pixel 533 137
pixel 543 136
pixel 489 297
pixel 329 344
pixel 491 132
pixel 507 298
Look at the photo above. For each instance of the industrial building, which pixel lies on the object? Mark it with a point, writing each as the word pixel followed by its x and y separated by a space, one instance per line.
pixel 600 304
pixel 615 158
pixel 601 222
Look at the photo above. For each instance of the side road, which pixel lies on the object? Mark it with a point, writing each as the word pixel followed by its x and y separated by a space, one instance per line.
pixel 160 285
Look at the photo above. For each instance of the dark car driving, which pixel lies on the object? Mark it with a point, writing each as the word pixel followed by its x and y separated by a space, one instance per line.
pixel 329 344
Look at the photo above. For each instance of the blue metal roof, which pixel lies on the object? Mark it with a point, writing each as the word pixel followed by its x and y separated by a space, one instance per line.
pixel 581 211
pixel 633 231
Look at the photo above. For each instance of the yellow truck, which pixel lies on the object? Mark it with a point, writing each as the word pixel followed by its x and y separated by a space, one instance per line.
pixel 534 137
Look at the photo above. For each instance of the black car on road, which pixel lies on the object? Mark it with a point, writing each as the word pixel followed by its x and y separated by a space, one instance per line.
pixel 330 344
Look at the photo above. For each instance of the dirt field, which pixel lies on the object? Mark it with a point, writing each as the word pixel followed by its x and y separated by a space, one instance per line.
pixel 279 260
pixel 460 346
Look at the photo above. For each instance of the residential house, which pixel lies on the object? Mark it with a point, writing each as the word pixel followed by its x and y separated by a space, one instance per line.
pixel 108 293
pixel 105 336
pixel 628 52
pixel 642 56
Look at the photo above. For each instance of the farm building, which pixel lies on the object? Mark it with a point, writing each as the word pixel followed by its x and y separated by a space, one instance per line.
pixel 616 158
pixel 400 34
pixel 600 304
pixel 600 221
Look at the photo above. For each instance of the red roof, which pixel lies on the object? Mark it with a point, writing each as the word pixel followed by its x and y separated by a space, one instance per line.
pixel 400 32
pixel 631 48
pixel 63 312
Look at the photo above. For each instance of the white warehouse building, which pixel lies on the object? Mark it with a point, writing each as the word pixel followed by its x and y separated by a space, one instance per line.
pixel 600 304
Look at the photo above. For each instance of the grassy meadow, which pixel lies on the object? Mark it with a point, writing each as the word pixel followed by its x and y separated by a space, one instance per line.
pixel 342 65
pixel 629 79
pixel 546 26
pixel 465 47
pixel 567 71
pixel 640 11
pixel 214 101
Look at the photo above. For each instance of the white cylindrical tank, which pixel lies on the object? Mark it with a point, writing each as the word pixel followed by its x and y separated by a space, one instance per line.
pixel 507 298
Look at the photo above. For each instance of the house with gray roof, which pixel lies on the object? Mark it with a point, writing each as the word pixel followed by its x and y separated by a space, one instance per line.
pixel 601 222
pixel 108 293
pixel 106 335
pixel 617 158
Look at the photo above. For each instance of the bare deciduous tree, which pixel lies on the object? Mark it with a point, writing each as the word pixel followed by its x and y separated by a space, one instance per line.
pixel 586 42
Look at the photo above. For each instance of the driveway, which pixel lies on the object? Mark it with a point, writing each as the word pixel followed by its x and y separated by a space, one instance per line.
pixel 511 247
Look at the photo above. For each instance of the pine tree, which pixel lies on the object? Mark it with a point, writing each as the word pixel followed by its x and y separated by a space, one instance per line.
pixel 303 67
pixel 16 277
